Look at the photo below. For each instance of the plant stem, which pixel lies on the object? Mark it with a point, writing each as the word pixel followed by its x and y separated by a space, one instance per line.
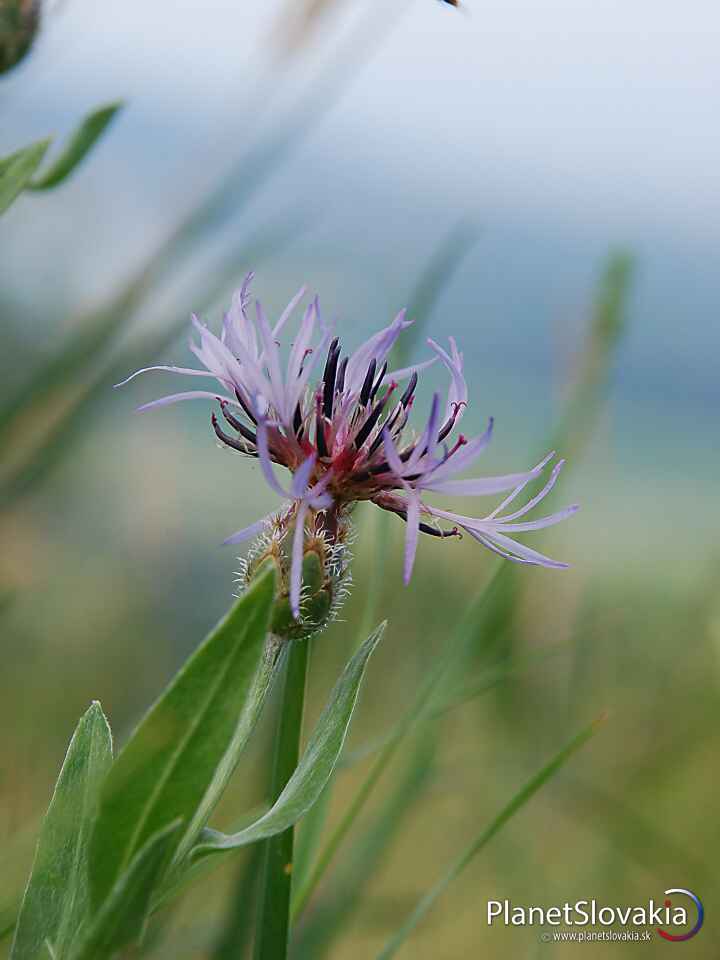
pixel 273 917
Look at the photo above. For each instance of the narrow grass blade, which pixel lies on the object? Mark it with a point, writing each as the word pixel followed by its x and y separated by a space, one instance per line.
pixel 272 929
pixel 575 428
pixel 81 142
pixel 315 767
pixel 56 900
pixel 121 918
pixel 334 909
pixel 517 802
pixel 457 697
pixel 606 328
pixel 181 756
pixel 16 171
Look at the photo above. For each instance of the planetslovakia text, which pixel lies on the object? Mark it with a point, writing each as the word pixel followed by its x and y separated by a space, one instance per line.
pixel 585 913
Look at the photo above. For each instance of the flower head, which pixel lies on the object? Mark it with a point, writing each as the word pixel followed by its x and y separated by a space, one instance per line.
pixel 340 424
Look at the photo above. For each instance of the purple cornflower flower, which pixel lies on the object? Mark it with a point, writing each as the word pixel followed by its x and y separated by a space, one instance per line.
pixel 344 436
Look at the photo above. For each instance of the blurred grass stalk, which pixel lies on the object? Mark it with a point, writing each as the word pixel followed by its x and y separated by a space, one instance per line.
pixel 50 396
pixel 483 838
pixel 576 425
pixel 316 937
pixel 68 412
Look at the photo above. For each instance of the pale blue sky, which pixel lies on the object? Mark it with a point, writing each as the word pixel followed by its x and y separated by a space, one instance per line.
pixel 602 109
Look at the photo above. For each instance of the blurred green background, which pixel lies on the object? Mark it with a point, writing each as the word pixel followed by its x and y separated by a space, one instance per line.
pixel 543 184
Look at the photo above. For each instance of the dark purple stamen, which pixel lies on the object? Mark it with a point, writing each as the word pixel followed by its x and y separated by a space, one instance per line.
pixel 423 527
pixel 228 440
pixel 450 422
pixel 298 422
pixel 379 380
pixel 237 424
pixel 307 354
pixel 390 423
pixel 244 405
pixel 329 377
pixel 367 384
pixel 380 468
pixel 320 443
pixel 340 379
pixel 367 428
pixel 434 532
pixel 409 390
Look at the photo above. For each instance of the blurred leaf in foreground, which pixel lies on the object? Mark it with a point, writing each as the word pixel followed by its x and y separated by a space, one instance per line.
pixel 56 900
pixel 81 142
pixel 574 431
pixel 16 171
pixel 605 332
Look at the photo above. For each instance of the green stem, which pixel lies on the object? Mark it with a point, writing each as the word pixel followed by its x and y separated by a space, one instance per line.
pixel 273 917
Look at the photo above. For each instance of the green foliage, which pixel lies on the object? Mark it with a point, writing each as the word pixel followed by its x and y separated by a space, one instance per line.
pixel 121 918
pixel 180 758
pixel 17 169
pixel 315 767
pixel 57 898
pixel 81 142
pixel 605 331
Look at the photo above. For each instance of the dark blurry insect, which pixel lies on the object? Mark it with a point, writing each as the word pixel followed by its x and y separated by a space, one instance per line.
pixel 19 20
pixel 452 3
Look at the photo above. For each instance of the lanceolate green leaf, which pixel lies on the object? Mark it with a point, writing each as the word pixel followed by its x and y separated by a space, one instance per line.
pixel 181 756
pixel 92 127
pixel 17 169
pixel 315 767
pixel 56 899
pixel 518 801
pixel 121 919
